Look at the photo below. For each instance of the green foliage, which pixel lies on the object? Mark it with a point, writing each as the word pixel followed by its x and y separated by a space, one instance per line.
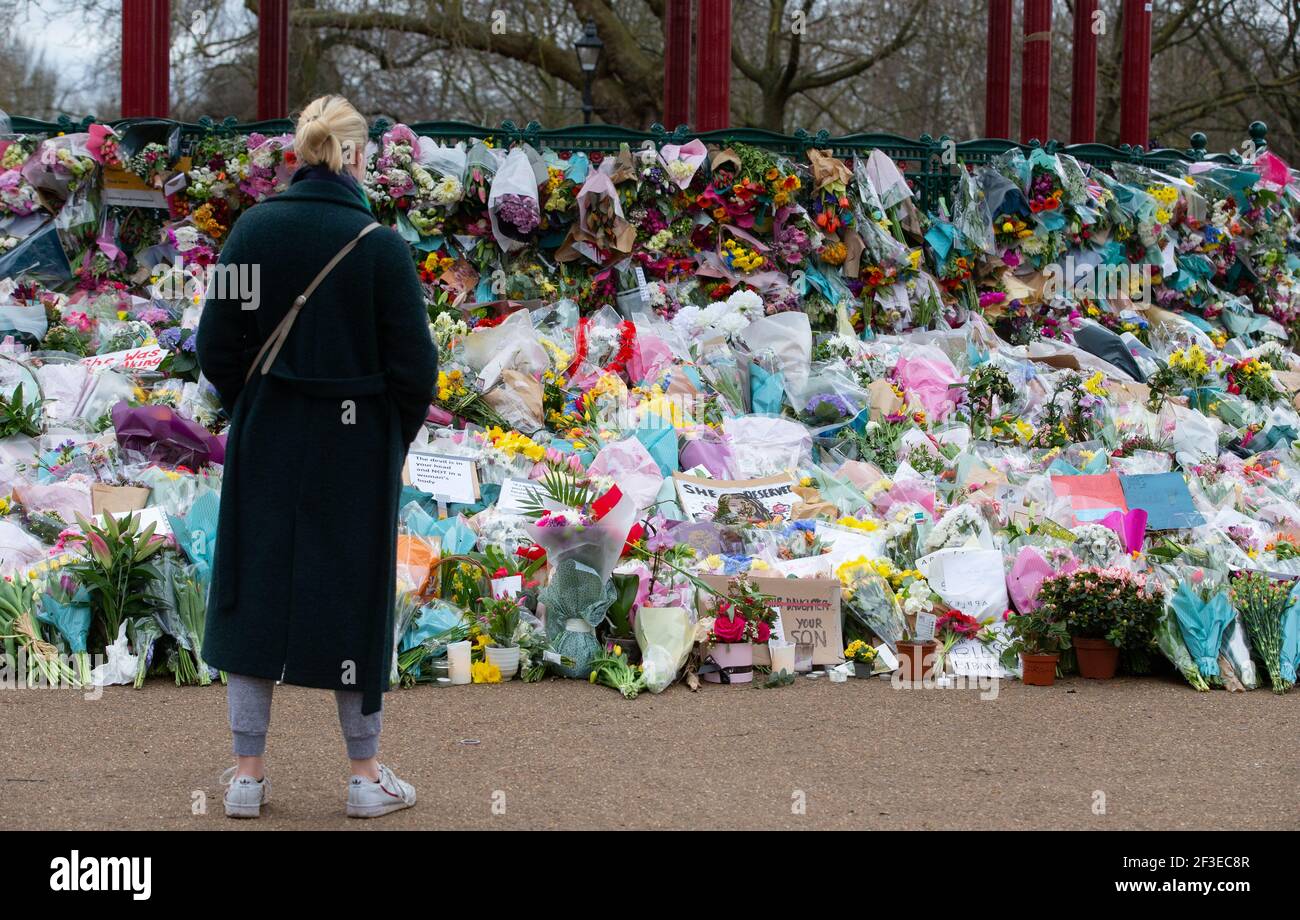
pixel 1112 604
pixel 1037 632
pixel 1263 604
pixel 115 568
pixel 619 615
pixel 500 618
pixel 17 416
pixel 560 487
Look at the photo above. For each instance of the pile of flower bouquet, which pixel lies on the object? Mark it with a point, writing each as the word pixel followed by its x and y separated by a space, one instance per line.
pixel 730 412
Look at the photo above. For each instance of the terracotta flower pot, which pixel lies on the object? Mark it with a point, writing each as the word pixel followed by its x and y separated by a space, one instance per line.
pixel 1039 670
pixel 916 659
pixel 1097 658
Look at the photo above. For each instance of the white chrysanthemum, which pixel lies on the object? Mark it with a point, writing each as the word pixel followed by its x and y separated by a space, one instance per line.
pixel 746 301
pixel 448 190
pixel 680 170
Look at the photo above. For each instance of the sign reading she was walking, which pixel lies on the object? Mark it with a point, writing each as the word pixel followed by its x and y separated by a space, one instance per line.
pixel 746 499
pixel 146 358
pixel 453 479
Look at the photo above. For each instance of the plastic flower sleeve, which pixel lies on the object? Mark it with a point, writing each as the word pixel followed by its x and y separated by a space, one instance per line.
pixel 706 447
pixel 665 636
pixel 633 467
pixel 1170 641
pixel 513 343
pixel 728 376
pixel 787 337
pixel 1290 652
pixel 195 533
pixel 1202 624
pixel 762 446
pixel 121 666
pixel 513 207
pixel 1236 652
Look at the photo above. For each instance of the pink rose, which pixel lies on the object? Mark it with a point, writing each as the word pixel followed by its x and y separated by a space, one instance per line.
pixel 729 629
pixel 764 632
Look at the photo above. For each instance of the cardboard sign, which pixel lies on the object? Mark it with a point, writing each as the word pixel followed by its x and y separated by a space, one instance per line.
pixel 147 358
pixel 117 499
pixel 810 612
pixel 453 479
pixel 751 499
pixel 514 494
pixel 1164 497
pixel 1091 497
pixel 125 188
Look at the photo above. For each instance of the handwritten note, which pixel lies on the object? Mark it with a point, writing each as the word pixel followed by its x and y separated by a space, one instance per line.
pixel 452 479
pixel 514 495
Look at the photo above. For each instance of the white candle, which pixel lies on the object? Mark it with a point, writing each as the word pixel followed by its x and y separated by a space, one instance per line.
pixel 782 656
pixel 458 659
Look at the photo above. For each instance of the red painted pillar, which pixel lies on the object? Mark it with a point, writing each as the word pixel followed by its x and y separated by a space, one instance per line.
pixel 162 51
pixel 677 63
pixel 1036 72
pixel 1083 94
pixel 997 81
pixel 146 64
pixel 137 63
pixel 1135 84
pixel 713 66
pixel 273 59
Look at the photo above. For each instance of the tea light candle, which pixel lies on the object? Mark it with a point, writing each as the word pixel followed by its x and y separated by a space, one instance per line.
pixel 782 656
pixel 458 657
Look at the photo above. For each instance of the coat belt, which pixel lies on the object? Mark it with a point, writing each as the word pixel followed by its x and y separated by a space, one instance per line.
pixel 334 387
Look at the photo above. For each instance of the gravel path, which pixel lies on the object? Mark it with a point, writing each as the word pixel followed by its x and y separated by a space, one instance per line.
pixel 563 754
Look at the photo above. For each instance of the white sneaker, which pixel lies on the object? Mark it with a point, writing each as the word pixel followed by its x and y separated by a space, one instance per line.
pixel 371 800
pixel 245 796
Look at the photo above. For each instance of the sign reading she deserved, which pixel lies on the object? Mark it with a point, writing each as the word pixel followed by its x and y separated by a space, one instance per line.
pixel 748 499
pixel 810 611
pixel 453 479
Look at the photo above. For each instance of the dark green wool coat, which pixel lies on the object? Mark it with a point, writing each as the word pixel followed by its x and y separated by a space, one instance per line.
pixel 304 575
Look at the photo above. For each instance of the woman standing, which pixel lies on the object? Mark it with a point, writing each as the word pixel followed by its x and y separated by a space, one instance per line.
pixel 327 371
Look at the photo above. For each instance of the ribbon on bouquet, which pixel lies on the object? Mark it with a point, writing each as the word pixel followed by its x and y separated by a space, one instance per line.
pixel 711 666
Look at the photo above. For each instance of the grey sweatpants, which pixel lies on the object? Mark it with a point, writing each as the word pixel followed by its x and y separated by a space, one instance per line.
pixel 249 701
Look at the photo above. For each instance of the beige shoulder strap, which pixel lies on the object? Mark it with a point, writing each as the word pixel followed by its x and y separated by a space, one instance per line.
pixel 270 349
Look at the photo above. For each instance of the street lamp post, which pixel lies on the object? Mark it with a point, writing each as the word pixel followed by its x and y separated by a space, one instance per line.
pixel 588 47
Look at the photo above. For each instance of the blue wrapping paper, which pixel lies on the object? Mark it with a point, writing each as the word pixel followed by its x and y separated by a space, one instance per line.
pixel 766 390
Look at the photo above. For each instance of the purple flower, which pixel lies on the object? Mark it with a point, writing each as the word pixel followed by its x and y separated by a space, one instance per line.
pixel 829 407
pixel 520 212
pixel 170 338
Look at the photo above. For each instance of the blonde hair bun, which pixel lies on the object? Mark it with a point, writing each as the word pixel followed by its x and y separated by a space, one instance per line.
pixel 324 127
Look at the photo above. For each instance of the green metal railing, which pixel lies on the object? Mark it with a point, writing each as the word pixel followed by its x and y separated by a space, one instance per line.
pixel 930 164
